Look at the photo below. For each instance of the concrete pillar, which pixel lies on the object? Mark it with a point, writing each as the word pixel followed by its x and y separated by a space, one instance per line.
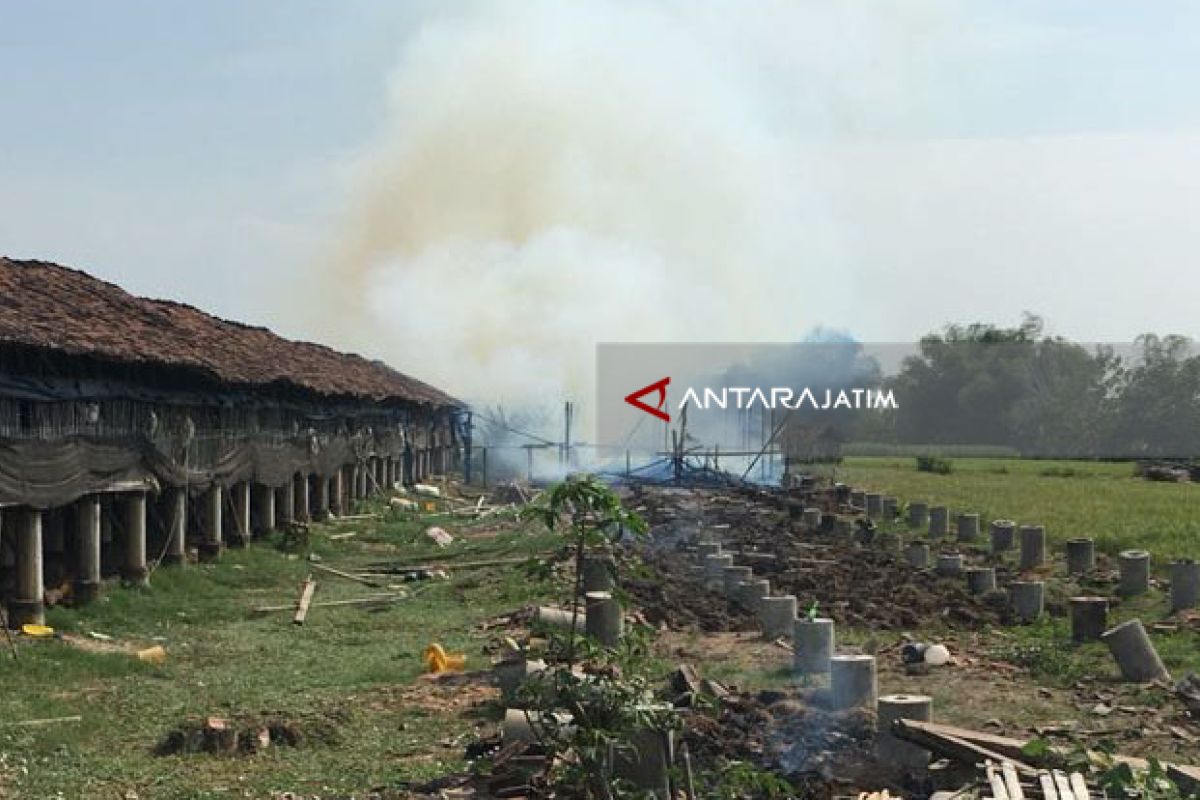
pixel 286 502
pixel 777 616
pixel 981 580
pixel 337 492
pixel 890 749
pixel 731 577
pixel 812 645
pixel 599 573
pixel 1004 535
pixel 891 507
pixel 949 564
pixel 968 527
pixel 1033 547
pixel 874 505
pixel 1185 584
pixel 1130 645
pixel 133 569
pixel 1135 572
pixel 852 682
pixel 264 500
pixel 858 499
pixel 210 545
pixel 321 501
pixel 604 620
pixel 917 555
pixel 918 515
pixel 939 522
pixel 714 569
pixel 889 542
pixel 28 604
pixel 241 513
pixel 1089 618
pixel 300 482
pixel 177 514
pixel 1027 599
pixel 1081 556
pixel 88 580
pixel 750 592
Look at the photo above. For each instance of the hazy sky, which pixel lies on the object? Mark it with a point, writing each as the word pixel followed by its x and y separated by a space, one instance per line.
pixel 952 161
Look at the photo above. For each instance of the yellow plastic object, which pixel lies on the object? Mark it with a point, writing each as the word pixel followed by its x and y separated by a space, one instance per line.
pixel 153 655
pixel 437 660
pixel 40 631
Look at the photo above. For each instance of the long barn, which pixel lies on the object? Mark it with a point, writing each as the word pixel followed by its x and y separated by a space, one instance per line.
pixel 135 431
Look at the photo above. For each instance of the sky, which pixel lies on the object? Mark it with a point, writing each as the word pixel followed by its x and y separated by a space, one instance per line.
pixel 500 185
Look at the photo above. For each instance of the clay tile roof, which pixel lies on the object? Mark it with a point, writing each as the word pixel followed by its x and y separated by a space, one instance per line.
pixel 58 308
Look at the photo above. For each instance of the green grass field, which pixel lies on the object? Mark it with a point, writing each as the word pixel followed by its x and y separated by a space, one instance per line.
pixel 337 673
pixel 1071 498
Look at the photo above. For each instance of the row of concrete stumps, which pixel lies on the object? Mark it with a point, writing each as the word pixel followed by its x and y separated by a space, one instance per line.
pixel 1128 642
pixel 222 516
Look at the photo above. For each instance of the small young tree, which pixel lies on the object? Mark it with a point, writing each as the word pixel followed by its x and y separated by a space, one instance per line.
pixel 594 518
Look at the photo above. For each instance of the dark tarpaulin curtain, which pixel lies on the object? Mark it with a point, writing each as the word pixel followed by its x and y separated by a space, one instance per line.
pixel 44 474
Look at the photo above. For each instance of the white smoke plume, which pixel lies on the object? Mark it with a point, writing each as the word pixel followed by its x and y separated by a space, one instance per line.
pixel 558 174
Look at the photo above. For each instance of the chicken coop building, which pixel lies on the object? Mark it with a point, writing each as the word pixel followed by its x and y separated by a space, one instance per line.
pixel 134 431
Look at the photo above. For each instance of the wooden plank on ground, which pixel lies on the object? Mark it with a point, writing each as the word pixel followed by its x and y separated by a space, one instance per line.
pixel 306 596
pixel 346 575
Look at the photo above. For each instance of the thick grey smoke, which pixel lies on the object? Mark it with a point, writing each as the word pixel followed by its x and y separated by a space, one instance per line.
pixel 558 174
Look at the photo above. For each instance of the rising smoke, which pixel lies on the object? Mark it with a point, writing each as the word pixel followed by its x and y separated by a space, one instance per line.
pixel 557 174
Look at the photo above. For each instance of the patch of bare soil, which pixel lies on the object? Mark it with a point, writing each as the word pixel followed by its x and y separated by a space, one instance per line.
pixel 669 597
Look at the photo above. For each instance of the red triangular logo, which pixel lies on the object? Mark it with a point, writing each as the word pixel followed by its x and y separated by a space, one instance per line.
pixel 635 399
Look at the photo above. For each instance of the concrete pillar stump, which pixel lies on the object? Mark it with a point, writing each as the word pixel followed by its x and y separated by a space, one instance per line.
pixel 599 573
pixel 1004 535
pixel 1081 556
pixel 981 580
pixel 852 682
pixel 1136 657
pixel 1089 618
pixel 1135 572
pixel 604 620
pixel 918 515
pixel 939 522
pixel 1027 599
pixel 968 527
pixel 731 577
pixel 751 592
pixel 949 564
pixel 1033 547
pixel 1185 584
pixel 812 645
pixel 777 616
pixel 917 555
pixel 874 505
pixel 890 749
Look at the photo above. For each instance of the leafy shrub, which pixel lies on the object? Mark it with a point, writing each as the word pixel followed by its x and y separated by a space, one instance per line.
pixel 934 464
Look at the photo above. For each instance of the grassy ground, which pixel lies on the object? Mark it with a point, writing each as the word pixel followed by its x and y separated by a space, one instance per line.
pixel 336 674
pixel 1071 498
